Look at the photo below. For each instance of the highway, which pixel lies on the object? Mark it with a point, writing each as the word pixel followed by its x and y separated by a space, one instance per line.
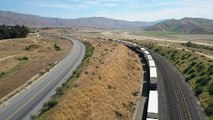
pixel 30 101
pixel 176 99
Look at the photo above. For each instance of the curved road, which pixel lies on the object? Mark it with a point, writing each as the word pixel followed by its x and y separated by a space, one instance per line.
pixel 176 99
pixel 31 100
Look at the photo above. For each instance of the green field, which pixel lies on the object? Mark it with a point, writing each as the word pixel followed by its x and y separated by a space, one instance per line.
pixel 201 38
pixel 161 34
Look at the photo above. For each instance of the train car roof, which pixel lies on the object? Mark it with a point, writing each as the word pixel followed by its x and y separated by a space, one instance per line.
pixel 153 102
pixel 151 119
pixel 151 63
pixel 149 57
pixel 143 49
pixel 153 72
pixel 146 52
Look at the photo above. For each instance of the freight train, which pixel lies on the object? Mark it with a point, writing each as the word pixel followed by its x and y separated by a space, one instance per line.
pixel 152 109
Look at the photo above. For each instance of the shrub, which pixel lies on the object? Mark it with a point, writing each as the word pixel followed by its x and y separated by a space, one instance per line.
pixel 202 73
pixel 52 103
pixel 157 49
pixel 31 47
pixel 210 70
pixel 57 48
pixel 198 90
pixel 210 89
pixel 135 93
pixel 118 114
pixel 191 77
pixel 191 71
pixel 193 63
pixel 200 68
pixel 209 109
pixel 59 91
pixel 186 70
pixel 2 74
pixel 23 58
pixel 205 81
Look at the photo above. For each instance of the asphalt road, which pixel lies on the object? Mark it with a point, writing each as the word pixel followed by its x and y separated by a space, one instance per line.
pixel 176 99
pixel 31 100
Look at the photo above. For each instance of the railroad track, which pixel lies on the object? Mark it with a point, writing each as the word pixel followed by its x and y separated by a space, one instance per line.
pixel 185 115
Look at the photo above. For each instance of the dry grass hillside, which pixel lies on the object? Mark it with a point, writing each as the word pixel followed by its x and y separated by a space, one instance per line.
pixel 21 59
pixel 106 90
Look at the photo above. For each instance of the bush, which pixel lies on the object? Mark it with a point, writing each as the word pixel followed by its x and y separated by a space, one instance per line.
pixel 202 73
pixel 191 77
pixel 31 47
pixel 52 103
pixel 203 80
pixel 198 90
pixel 200 67
pixel 23 58
pixel 118 114
pixel 210 70
pixel 210 89
pixel 157 49
pixel 186 70
pixel 2 73
pixel 209 109
pixel 193 63
pixel 57 48
pixel 191 71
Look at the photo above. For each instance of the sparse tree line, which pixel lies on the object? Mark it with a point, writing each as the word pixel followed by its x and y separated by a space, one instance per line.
pixel 17 31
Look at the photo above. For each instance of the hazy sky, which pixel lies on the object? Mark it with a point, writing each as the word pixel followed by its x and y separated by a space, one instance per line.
pixel 132 10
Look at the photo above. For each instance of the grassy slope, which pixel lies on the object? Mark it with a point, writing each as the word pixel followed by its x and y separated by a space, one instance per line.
pixel 159 34
pixel 197 69
pixel 105 90
pixel 71 82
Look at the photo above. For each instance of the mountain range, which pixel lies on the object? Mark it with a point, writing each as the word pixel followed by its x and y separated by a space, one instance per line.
pixel 185 25
pixel 12 18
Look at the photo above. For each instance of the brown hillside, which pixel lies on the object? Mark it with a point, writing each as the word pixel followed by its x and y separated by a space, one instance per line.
pixel 106 90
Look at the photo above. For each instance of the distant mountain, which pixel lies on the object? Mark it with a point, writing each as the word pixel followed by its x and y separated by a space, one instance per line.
pixel 185 25
pixel 12 18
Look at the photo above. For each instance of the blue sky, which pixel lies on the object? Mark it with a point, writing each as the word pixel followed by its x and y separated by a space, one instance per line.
pixel 132 10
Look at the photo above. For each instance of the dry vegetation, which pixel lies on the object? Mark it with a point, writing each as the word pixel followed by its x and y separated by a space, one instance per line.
pixel 21 59
pixel 106 90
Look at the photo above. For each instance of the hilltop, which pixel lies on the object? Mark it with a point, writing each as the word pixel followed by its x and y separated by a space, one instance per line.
pixel 185 25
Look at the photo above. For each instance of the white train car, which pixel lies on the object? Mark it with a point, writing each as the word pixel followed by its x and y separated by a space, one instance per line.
pixel 153 78
pixel 146 52
pixel 142 49
pixel 151 64
pixel 149 57
pixel 152 110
